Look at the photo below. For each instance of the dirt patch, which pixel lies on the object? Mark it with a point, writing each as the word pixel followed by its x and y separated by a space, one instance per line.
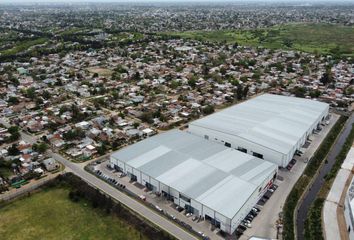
pixel 104 72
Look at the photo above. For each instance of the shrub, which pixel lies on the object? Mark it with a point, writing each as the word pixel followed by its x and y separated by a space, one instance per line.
pixel 304 180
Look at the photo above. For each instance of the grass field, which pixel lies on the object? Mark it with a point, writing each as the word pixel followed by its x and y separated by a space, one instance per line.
pixel 314 38
pixel 100 71
pixel 22 46
pixel 50 214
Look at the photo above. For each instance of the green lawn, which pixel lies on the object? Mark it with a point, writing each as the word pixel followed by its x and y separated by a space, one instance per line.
pixel 50 214
pixel 314 38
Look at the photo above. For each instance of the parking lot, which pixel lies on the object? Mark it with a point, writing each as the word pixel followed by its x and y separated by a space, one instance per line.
pixel 161 203
pixel 265 224
pixel 262 221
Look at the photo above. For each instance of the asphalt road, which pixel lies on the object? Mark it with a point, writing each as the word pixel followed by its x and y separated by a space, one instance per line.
pixel 131 203
pixel 317 184
pixel 139 208
pixel 26 137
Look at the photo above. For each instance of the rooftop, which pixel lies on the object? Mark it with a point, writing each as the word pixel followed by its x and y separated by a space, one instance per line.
pixel 209 173
pixel 273 121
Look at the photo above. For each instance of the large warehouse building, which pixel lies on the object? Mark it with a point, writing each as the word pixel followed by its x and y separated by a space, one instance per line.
pixel 270 127
pixel 206 178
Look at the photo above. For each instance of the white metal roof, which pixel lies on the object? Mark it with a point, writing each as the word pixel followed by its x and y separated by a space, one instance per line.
pixel 273 121
pixel 221 178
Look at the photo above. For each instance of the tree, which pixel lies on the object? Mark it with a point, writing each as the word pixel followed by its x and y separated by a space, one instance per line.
pixel 287 42
pixel 192 82
pixel 245 91
pixel 326 77
pixel 41 147
pixel 136 76
pixel 102 149
pixel 205 69
pixel 235 46
pixel 209 109
pixel 315 94
pixel 46 94
pixel 15 134
pixel 234 82
pixel 13 100
pixel 120 114
pixel 174 84
pixel 299 91
pixel 31 93
pixel 13 150
pixel 147 117
pixel 136 124
pixel 239 92
pixel 73 134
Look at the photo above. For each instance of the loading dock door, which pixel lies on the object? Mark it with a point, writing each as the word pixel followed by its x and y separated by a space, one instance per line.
pixel 133 177
pixel 213 221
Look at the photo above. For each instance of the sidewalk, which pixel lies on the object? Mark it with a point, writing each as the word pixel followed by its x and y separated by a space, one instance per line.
pixel 32 185
pixel 265 223
pixel 167 206
pixel 334 203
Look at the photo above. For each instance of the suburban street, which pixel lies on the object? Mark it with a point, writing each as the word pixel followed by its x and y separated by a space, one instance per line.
pixel 192 121
pixel 78 169
pixel 26 137
pixel 317 184
pixel 124 199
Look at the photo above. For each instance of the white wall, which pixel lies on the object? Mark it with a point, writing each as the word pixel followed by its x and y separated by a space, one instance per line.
pixel 208 211
pixel 246 208
pixel 226 224
pixel 268 154
pixel 155 183
pixel 138 175
pixel 348 215
pixel 164 188
pixel 144 179
pixel 197 206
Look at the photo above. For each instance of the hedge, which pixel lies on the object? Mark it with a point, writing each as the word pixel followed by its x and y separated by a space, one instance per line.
pixel 304 180
pixel 313 223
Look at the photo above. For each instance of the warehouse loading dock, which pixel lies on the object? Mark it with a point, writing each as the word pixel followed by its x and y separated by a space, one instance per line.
pixel 209 180
pixel 270 127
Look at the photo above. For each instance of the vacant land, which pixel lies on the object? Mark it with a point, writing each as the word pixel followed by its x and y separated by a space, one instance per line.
pixel 314 38
pixel 104 72
pixel 50 214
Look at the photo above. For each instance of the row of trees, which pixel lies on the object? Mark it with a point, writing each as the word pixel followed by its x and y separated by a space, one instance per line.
pixel 310 170
pixel 80 190
pixel 313 223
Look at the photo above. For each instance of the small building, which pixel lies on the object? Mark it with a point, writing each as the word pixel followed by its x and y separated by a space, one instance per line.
pixel 50 164
pixel 148 132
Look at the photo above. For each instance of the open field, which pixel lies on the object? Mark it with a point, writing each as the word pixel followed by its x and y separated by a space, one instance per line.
pixel 50 214
pixel 100 71
pixel 23 46
pixel 314 38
